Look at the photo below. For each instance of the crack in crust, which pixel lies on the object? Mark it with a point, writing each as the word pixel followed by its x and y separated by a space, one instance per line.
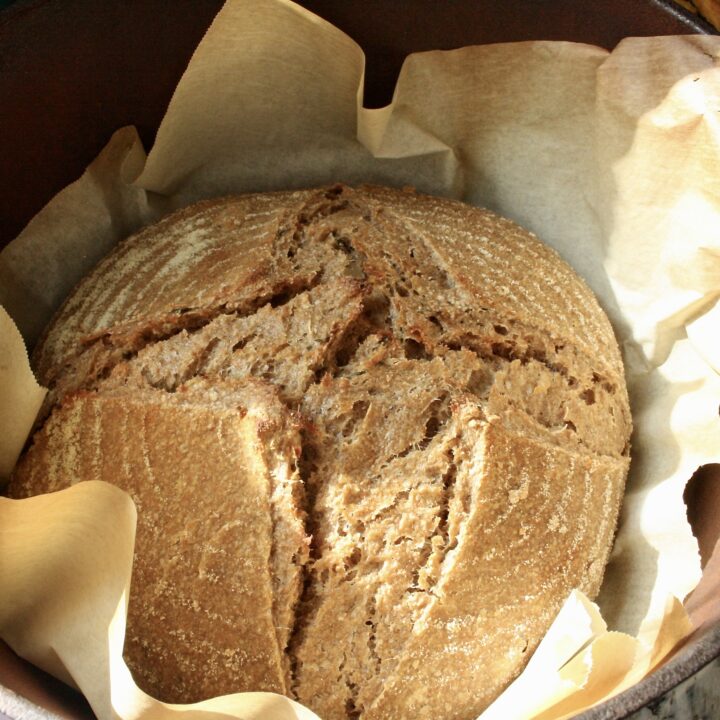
pixel 99 354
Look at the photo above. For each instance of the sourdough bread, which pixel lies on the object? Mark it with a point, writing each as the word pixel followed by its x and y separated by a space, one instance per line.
pixel 375 438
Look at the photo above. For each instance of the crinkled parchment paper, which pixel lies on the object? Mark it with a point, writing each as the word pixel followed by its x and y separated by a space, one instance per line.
pixel 612 158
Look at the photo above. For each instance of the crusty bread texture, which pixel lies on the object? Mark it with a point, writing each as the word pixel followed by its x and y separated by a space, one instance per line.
pixel 375 438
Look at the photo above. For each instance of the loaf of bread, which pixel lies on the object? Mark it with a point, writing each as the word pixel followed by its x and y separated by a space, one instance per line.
pixel 374 438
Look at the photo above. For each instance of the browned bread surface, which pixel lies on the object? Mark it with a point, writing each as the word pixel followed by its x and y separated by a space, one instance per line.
pixel 375 439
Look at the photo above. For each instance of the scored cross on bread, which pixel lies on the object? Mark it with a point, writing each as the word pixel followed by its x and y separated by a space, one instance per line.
pixel 408 413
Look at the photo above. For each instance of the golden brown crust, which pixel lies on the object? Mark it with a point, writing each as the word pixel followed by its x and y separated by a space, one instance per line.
pixel 429 429
pixel 530 538
pixel 199 481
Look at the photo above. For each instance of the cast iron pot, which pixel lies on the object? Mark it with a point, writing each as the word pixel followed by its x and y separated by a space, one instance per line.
pixel 73 71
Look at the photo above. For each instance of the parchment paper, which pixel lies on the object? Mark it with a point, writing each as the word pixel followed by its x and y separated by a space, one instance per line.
pixel 20 395
pixel 610 158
